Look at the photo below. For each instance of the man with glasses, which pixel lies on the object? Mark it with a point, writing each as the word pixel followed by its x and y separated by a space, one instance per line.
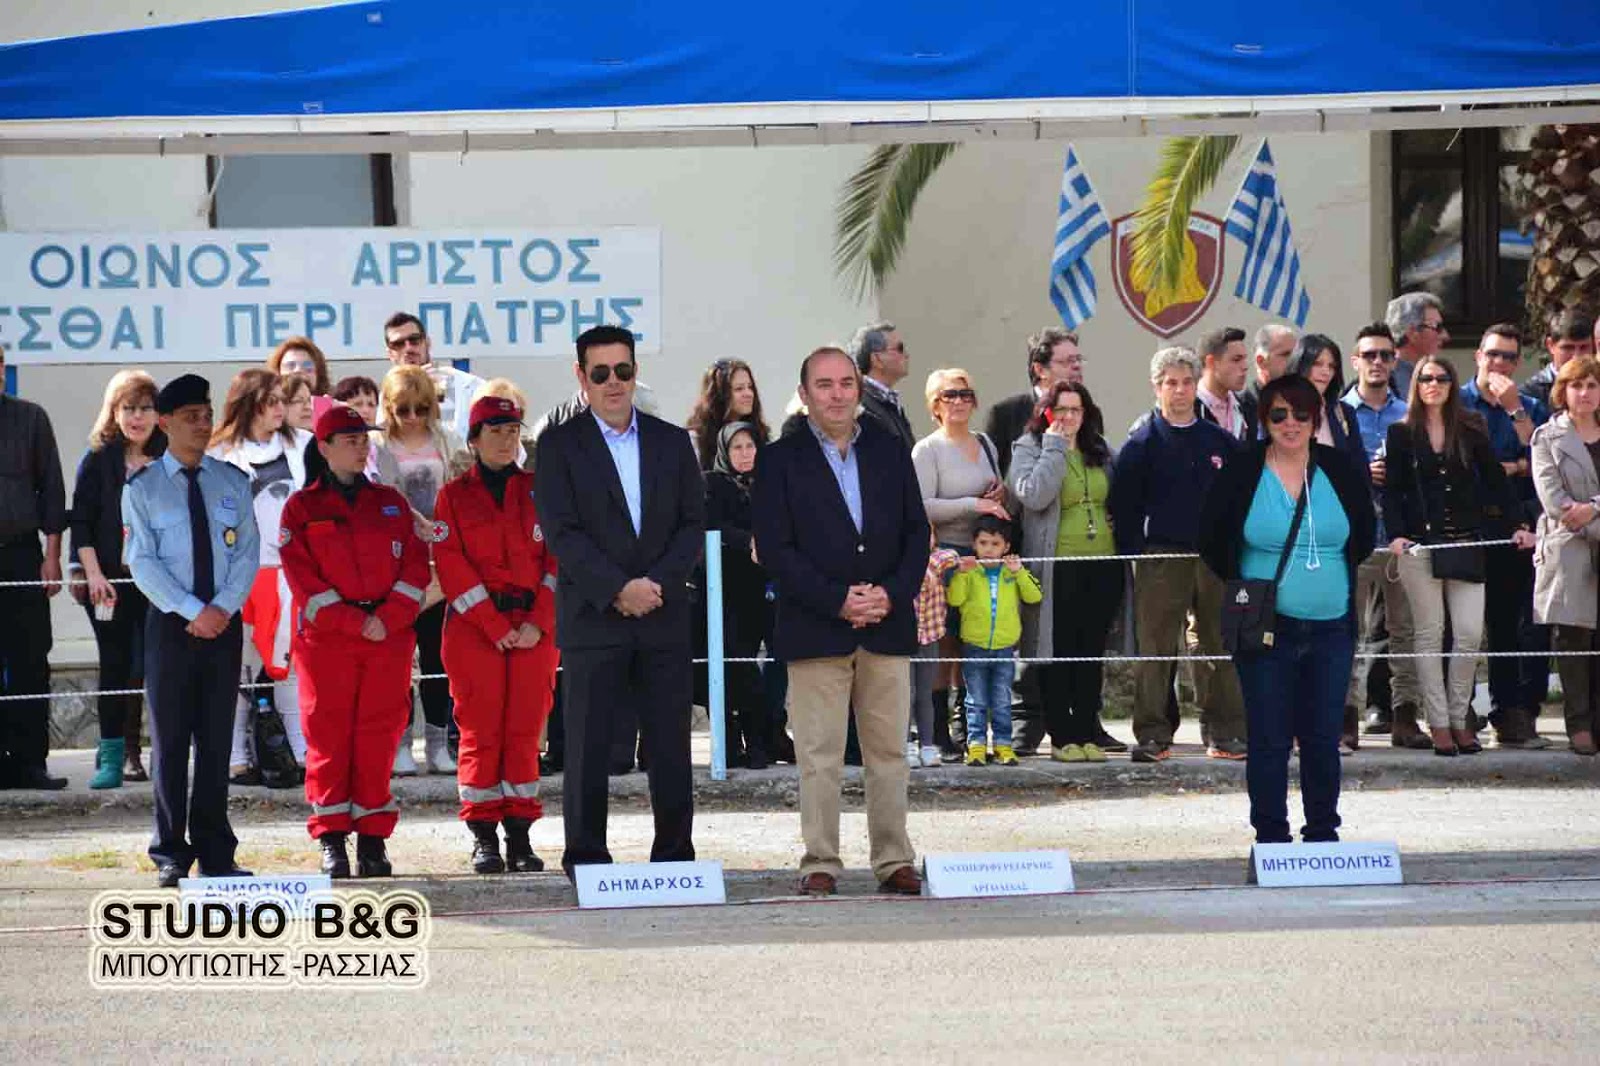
pixel 880 355
pixel 1380 602
pixel 1569 335
pixel 408 345
pixel 1416 319
pixel 1053 356
pixel 623 508
pixel 33 504
pixel 1517 684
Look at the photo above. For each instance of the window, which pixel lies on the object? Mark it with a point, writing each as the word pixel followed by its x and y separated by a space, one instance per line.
pixel 277 191
pixel 1459 231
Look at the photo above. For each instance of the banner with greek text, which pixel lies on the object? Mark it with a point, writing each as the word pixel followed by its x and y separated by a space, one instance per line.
pixel 234 295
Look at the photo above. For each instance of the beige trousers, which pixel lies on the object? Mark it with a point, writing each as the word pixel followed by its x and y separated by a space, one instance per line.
pixel 1445 703
pixel 821 693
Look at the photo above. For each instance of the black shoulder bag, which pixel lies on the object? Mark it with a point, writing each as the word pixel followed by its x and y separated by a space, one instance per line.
pixel 1250 607
pixel 1451 564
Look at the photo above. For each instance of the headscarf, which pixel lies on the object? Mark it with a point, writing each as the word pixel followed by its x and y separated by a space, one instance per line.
pixel 724 462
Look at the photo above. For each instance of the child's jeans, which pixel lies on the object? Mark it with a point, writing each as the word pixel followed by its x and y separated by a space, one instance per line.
pixel 988 675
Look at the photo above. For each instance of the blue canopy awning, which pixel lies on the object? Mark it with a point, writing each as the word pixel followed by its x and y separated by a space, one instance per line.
pixel 743 63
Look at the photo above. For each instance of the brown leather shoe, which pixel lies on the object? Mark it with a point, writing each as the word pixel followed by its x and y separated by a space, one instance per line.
pixel 1405 733
pixel 819 884
pixel 903 882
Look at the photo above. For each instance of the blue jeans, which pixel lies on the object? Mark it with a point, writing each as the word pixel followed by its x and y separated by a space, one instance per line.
pixel 1295 690
pixel 987 675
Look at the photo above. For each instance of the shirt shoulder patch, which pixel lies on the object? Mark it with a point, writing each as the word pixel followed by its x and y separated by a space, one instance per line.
pixel 391 511
pixel 283 536
pixel 441 531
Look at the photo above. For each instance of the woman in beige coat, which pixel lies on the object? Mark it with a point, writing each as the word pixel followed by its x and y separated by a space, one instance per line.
pixel 1566 589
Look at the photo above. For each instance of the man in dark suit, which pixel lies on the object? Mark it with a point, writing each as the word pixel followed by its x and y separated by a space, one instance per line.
pixel 839 524
pixel 880 356
pixel 623 506
pixel 1053 356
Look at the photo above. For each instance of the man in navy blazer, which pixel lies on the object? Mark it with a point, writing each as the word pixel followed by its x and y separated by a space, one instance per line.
pixel 622 504
pixel 840 526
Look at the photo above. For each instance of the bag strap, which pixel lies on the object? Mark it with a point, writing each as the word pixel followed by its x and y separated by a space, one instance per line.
pixel 1294 527
pixel 990 454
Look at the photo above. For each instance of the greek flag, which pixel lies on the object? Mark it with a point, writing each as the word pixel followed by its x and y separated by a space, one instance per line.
pixel 1269 276
pixel 1081 223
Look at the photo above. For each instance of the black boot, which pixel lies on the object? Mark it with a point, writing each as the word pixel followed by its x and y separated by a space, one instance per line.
pixel 486 848
pixel 752 723
pixel 335 859
pixel 520 858
pixel 372 857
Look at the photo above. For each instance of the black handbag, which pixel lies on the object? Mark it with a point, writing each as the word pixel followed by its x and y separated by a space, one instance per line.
pixel 1451 564
pixel 1250 607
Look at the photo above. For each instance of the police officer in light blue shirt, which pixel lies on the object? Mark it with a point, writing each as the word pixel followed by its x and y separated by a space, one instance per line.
pixel 192 548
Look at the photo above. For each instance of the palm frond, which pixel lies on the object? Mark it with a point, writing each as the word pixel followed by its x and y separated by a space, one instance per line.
pixel 1189 167
pixel 874 211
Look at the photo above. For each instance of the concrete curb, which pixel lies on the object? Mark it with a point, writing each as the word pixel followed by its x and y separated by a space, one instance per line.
pixel 1037 779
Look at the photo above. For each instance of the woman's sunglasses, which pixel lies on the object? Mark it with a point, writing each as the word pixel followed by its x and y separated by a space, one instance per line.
pixel 951 395
pixel 600 373
pixel 407 411
pixel 1279 415
pixel 1433 379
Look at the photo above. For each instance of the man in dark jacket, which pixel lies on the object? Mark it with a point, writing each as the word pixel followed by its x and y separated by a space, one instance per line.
pixel 880 356
pixel 1163 473
pixel 840 526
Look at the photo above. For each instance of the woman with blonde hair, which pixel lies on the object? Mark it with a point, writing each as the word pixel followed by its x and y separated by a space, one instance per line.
pixel 254 436
pixel 299 357
pixel 958 468
pixel 125 440
pixel 426 454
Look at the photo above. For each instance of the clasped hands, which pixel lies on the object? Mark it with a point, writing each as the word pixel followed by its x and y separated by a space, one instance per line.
pixel 208 624
pixel 1574 516
pixel 638 598
pixel 524 636
pixel 865 605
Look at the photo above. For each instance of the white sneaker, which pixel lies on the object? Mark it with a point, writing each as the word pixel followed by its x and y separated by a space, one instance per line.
pixel 436 750
pixel 405 765
pixel 930 757
pixel 911 754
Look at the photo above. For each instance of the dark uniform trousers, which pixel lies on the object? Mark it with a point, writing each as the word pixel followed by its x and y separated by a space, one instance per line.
pixel 604 690
pixel 24 658
pixel 191 686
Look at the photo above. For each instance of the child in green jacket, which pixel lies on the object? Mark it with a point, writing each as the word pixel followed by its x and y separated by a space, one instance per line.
pixel 989 592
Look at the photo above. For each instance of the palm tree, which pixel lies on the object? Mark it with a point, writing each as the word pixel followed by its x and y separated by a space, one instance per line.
pixel 1560 198
pixel 875 206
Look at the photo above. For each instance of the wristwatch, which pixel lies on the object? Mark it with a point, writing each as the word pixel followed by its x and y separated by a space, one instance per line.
pixel 1519 415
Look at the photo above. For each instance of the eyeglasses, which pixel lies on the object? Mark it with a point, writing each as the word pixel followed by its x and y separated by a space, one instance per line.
pixel 901 348
pixel 274 400
pixel 409 339
pixel 1381 355
pixel 1502 354
pixel 600 373
pixel 1432 327
pixel 1279 415
pixel 1434 379
pixel 1063 412
pixel 952 395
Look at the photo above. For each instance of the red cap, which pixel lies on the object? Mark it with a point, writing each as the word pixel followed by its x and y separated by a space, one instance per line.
pixel 339 418
pixel 492 411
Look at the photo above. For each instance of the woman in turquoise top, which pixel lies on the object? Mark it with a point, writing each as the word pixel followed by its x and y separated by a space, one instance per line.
pixel 1061 471
pixel 1294 689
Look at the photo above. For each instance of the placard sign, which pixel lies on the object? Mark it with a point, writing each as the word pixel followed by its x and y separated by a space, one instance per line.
pixel 650 884
pixel 234 295
pixel 1309 865
pixel 296 893
pixel 997 873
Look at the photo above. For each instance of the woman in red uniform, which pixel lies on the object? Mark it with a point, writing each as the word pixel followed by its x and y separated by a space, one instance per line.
pixel 357 570
pixel 499 580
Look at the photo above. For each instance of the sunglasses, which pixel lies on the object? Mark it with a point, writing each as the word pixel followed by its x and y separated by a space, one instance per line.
pixel 1434 379
pixel 1279 415
pixel 901 348
pixel 1502 354
pixel 952 395
pixel 1432 327
pixel 274 400
pixel 402 342
pixel 407 411
pixel 600 373
pixel 1381 355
